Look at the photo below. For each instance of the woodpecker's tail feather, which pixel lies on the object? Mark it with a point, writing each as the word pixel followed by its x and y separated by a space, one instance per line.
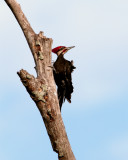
pixel 64 92
pixel 69 91
pixel 61 99
pixel 61 96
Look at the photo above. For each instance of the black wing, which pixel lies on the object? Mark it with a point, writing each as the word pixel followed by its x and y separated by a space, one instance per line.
pixel 62 75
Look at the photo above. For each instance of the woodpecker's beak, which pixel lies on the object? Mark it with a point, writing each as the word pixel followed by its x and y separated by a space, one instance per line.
pixel 68 48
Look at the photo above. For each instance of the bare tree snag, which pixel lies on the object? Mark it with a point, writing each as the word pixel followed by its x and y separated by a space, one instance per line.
pixel 42 89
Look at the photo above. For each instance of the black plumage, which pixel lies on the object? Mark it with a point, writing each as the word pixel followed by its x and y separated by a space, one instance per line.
pixel 63 78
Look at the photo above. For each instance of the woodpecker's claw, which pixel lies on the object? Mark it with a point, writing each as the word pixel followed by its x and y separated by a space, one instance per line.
pixel 51 67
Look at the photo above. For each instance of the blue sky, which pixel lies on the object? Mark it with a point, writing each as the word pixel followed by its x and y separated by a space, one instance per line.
pixel 96 121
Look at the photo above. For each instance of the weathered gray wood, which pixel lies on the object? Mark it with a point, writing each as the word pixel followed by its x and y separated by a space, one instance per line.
pixel 42 89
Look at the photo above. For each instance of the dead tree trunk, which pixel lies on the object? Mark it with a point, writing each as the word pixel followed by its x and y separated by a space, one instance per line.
pixel 42 89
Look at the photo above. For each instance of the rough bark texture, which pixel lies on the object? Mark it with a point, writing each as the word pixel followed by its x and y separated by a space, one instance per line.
pixel 42 89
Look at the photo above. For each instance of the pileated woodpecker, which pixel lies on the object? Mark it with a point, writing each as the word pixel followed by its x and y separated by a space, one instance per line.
pixel 62 74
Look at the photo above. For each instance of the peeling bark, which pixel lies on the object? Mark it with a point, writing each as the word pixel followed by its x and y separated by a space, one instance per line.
pixel 42 89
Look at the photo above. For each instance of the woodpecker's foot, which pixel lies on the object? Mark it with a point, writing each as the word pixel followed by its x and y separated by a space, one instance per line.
pixel 53 68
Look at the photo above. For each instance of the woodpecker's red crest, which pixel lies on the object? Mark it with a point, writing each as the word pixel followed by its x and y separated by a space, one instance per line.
pixel 61 49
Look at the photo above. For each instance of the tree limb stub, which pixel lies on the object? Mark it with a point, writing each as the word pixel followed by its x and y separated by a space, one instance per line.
pixel 42 89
